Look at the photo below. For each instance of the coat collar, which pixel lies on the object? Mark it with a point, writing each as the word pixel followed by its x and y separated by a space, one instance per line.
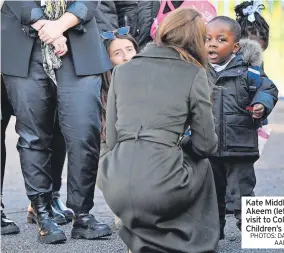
pixel 235 62
pixel 151 50
pixel 233 68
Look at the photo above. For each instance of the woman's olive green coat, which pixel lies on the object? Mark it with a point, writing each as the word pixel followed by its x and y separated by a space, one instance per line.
pixel 164 196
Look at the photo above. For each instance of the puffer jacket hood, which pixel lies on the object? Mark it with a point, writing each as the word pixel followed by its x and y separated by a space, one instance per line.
pixel 251 52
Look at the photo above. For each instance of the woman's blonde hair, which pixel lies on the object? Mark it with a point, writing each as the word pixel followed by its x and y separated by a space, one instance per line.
pixel 184 30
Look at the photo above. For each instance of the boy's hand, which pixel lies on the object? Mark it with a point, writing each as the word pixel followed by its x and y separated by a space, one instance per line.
pixel 258 111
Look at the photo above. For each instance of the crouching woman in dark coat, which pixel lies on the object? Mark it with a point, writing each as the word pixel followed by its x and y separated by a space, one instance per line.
pixel 162 191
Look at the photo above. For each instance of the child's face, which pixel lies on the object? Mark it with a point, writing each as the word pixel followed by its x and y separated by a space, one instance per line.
pixel 220 44
pixel 120 51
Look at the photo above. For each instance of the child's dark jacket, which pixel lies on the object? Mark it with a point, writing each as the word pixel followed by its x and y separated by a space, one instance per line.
pixel 235 127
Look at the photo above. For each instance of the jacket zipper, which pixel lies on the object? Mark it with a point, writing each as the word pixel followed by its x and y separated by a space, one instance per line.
pixel 220 139
pixel 222 132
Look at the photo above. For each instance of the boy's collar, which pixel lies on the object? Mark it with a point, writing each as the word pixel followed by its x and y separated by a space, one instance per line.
pixel 219 68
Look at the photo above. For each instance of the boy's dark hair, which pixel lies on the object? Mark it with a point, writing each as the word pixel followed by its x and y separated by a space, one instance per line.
pixel 233 24
pixel 125 37
pixel 258 27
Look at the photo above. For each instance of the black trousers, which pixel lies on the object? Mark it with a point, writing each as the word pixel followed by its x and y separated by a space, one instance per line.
pixel 34 100
pixel 58 156
pixel 58 143
pixel 6 113
pixel 239 175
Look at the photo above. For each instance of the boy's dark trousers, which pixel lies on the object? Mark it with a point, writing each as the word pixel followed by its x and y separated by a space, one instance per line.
pixel 239 174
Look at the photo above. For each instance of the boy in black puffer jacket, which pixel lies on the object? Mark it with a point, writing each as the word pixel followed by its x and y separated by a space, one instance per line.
pixel 237 110
pixel 253 26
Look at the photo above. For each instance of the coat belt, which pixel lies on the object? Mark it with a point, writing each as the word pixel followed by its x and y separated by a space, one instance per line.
pixel 153 135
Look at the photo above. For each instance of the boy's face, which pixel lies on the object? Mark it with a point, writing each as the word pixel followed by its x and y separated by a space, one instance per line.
pixel 220 43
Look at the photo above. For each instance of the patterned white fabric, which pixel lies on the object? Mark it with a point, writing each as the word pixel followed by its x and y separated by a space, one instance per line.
pixel 53 10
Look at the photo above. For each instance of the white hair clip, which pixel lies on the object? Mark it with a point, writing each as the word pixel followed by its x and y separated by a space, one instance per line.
pixel 250 10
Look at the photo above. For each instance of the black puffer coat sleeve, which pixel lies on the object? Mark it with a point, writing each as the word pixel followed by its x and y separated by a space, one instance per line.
pixel 147 12
pixel 106 16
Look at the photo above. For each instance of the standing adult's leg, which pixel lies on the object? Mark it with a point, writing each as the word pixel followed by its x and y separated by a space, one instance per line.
pixel 58 156
pixel 4 123
pixel 57 163
pixel 79 107
pixel 6 112
pixel 241 180
pixel 7 226
pixel 34 102
pixel 219 172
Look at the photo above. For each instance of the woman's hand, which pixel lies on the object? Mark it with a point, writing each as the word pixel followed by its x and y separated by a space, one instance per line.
pixel 50 31
pixel 60 46
pixel 39 24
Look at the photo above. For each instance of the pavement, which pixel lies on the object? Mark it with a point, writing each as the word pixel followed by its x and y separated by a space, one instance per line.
pixel 270 182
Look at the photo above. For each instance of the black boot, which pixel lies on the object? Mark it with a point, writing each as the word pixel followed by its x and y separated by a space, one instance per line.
pixel 85 226
pixel 8 227
pixel 49 231
pixel 222 227
pixel 59 218
pixel 59 207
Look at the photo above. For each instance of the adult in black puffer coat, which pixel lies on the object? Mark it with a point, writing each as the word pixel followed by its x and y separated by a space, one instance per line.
pixel 147 12
pixel 139 15
pixel 114 14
